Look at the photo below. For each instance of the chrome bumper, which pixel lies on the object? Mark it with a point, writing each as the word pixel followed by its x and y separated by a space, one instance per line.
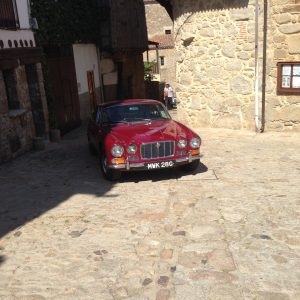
pixel 129 166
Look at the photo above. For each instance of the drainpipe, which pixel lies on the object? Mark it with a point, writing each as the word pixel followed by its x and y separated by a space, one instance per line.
pixel 263 108
pixel 256 65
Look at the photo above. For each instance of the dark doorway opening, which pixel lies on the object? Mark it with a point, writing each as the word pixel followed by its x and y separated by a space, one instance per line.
pixel 63 82
pixel 35 99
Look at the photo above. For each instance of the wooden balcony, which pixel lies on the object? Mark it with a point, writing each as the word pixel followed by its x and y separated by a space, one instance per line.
pixel 155 69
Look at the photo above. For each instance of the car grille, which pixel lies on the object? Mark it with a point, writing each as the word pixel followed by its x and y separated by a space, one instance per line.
pixel 159 149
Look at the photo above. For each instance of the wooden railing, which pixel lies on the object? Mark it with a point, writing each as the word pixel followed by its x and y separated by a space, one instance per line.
pixel 7 14
pixel 154 69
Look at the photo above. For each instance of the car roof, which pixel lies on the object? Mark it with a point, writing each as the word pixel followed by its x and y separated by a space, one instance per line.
pixel 130 101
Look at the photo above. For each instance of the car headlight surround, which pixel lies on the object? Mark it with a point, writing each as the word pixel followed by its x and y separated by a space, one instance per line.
pixel 195 142
pixel 181 143
pixel 131 149
pixel 117 151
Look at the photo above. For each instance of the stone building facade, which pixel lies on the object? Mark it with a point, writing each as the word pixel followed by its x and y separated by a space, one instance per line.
pixel 160 29
pixel 282 108
pixel 216 79
pixel 23 107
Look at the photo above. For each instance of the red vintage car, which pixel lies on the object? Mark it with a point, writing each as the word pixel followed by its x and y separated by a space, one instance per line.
pixel 140 135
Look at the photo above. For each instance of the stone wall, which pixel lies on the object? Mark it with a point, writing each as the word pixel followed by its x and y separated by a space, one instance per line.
pixel 17 126
pixel 168 71
pixel 157 19
pixel 282 111
pixel 215 54
pixel 215 63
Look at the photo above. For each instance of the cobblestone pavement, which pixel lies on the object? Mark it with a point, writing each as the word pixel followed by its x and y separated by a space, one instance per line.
pixel 228 231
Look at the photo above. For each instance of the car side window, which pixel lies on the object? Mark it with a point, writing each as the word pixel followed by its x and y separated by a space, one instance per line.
pixel 105 117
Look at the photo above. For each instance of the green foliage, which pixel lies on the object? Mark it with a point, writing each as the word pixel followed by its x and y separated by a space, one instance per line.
pixel 67 21
pixel 148 70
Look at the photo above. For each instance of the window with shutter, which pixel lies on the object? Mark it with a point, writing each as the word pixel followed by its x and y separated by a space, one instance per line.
pixel 8 16
pixel 288 78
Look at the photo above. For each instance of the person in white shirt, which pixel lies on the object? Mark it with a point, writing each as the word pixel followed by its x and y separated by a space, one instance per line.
pixel 165 94
pixel 168 95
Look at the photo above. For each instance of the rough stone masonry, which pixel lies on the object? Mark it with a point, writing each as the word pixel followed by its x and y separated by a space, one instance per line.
pixel 215 46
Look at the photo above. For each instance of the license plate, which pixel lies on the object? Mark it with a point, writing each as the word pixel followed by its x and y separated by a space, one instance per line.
pixel 160 165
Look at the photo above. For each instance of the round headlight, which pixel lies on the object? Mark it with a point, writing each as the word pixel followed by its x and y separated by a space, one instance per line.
pixel 195 143
pixel 182 143
pixel 131 149
pixel 117 151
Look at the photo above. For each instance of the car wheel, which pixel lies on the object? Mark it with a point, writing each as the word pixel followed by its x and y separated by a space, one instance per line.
pixel 191 166
pixel 108 173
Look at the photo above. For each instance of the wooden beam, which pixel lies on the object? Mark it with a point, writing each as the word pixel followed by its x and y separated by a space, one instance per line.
pixel 11 58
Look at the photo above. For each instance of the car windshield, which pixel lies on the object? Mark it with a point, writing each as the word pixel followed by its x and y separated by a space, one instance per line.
pixel 128 113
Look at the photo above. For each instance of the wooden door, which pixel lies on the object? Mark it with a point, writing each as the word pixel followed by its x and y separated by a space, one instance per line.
pixel 63 84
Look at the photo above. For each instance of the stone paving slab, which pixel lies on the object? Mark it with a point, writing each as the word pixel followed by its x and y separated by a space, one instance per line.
pixel 198 175
pixel 230 231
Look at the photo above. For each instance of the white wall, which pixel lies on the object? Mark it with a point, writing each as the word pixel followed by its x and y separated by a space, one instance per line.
pixel 25 33
pixel 12 35
pixel 85 56
pixel 23 13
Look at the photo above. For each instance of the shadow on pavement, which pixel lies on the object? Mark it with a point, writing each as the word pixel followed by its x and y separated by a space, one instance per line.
pixel 39 181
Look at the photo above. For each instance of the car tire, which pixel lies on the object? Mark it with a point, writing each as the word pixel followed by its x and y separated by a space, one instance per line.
pixel 109 174
pixel 191 166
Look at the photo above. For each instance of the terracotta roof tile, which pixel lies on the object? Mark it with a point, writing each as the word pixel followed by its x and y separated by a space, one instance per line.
pixel 152 42
pixel 164 41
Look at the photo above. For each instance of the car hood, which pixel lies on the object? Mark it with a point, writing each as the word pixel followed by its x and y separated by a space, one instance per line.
pixel 156 130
